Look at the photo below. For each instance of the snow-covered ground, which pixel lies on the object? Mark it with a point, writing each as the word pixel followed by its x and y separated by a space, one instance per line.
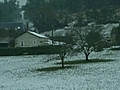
pixel 18 73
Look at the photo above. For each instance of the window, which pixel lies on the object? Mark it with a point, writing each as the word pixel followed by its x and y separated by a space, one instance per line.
pixel 34 42
pixel 22 43
pixel 41 41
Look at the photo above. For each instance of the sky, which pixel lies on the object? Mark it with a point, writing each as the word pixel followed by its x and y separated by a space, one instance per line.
pixel 22 2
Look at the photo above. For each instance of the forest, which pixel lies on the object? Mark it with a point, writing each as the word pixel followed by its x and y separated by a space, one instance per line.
pixel 54 14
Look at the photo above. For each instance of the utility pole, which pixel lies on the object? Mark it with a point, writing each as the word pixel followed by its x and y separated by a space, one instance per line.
pixel 27 26
pixel 52 37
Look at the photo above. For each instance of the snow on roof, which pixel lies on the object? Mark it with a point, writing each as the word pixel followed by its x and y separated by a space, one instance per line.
pixel 38 35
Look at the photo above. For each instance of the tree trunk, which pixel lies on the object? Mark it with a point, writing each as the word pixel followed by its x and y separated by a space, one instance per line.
pixel 62 59
pixel 86 55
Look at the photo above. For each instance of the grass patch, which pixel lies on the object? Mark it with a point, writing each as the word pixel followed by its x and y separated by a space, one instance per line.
pixel 48 69
pixel 86 62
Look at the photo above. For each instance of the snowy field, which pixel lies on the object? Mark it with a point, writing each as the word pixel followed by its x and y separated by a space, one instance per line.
pixel 19 73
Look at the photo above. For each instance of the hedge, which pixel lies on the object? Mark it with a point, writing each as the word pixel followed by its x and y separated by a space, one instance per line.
pixel 29 50
pixel 115 48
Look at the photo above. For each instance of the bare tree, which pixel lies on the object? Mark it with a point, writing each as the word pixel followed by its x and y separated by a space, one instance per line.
pixel 64 51
pixel 64 47
pixel 87 39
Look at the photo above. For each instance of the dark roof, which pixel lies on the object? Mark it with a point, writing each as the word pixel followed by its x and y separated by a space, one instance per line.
pixel 12 25
pixel 5 40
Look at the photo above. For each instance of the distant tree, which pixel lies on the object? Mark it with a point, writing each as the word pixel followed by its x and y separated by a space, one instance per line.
pixel 63 52
pixel 80 21
pixel 107 14
pixel 92 14
pixel 87 39
pixel 41 14
pixel 102 15
pixel 65 47
pixel 10 11
pixel 115 34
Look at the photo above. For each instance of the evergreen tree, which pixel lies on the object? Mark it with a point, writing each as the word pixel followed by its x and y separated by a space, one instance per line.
pixel 41 14
pixel 9 11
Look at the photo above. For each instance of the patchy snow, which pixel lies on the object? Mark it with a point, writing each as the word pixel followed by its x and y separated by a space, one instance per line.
pixel 18 73
pixel 107 28
pixel 54 42
pixel 58 32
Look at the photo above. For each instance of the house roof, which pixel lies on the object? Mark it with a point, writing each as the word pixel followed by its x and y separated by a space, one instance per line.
pixel 5 40
pixel 36 34
pixel 12 25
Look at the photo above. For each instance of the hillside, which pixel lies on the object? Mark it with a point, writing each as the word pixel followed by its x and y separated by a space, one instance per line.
pixel 106 30
pixel 54 14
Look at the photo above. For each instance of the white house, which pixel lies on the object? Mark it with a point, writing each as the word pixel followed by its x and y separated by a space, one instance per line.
pixel 31 39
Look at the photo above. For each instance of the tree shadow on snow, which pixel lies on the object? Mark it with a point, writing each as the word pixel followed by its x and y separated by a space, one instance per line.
pixel 87 62
pixel 55 68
